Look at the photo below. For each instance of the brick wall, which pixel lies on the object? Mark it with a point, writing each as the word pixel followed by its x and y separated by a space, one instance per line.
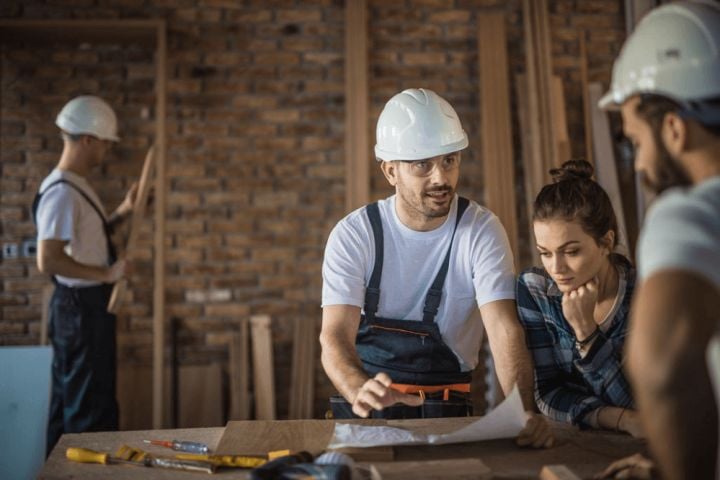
pixel 255 143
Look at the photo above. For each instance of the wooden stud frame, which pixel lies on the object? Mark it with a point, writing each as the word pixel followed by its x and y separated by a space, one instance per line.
pixel 150 32
pixel 357 168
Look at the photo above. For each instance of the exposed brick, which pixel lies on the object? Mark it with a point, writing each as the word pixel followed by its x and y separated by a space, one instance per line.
pixel 298 15
pixel 227 310
pixel 424 58
pixel 449 16
pixel 280 115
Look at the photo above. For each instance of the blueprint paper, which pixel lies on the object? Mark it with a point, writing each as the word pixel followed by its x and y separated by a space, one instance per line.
pixel 505 421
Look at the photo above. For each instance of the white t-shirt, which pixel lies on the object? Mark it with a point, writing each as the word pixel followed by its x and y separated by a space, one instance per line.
pixel 64 214
pixel 481 270
pixel 682 231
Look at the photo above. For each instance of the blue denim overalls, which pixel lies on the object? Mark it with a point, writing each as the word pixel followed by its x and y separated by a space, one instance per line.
pixel 410 352
pixel 82 333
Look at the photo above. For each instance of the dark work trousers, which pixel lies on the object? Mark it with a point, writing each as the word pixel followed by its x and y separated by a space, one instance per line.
pixel 82 333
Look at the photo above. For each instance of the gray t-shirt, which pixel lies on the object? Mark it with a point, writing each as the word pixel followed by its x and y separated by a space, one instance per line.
pixel 682 231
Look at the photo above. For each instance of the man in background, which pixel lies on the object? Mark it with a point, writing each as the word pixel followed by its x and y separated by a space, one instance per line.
pixel 75 248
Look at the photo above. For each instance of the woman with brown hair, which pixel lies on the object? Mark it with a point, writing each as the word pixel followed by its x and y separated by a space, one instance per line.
pixel 575 309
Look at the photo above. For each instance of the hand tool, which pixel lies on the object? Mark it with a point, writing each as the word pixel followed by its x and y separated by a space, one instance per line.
pixel 85 455
pixel 181 446
pixel 234 461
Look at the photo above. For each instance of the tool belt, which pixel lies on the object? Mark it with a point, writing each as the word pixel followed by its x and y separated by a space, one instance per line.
pixel 424 390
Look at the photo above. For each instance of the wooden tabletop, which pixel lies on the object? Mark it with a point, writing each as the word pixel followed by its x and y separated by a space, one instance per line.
pixel 584 452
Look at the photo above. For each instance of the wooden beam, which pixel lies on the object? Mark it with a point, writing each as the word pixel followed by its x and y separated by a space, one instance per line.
pixel 138 214
pixel 605 166
pixel 239 372
pixel 302 380
pixel 563 150
pixel 495 124
pixel 263 367
pixel 357 158
pixel 540 97
pixel 160 400
pixel 528 160
pixel 587 109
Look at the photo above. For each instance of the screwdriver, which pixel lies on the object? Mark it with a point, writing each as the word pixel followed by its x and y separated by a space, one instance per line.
pixel 85 455
pixel 181 446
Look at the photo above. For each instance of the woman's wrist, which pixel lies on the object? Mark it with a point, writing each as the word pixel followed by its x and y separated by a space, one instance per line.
pixel 584 334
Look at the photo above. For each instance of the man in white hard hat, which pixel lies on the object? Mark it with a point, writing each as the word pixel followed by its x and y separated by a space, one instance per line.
pixel 666 82
pixel 75 248
pixel 403 279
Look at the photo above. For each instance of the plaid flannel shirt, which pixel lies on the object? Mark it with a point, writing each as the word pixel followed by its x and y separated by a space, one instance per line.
pixel 567 386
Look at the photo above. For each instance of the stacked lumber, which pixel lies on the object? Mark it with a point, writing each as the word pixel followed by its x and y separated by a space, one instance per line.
pixel 495 123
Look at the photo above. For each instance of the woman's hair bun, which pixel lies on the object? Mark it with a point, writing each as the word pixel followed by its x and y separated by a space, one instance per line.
pixel 572 170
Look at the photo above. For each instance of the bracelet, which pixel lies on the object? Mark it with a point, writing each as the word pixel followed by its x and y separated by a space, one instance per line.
pixel 617 425
pixel 589 338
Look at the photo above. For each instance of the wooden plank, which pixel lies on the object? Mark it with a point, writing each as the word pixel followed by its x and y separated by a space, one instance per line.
pixel 528 160
pixel 563 151
pixel 134 395
pixel 297 380
pixel 534 168
pixel 138 213
pixel 200 400
pixel 587 109
pixel 357 158
pixel 311 343
pixel 263 369
pixel 496 125
pixel 303 370
pixel 239 372
pixel 461 468
pixel 605 166
pixel 557 472
pixel 160 400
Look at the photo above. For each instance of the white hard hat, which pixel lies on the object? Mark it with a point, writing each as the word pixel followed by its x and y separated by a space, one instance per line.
pixel 673 52
pixel 88 115
pixel 417 124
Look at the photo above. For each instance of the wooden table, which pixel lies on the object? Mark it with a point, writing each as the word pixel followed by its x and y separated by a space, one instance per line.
pixel 586 453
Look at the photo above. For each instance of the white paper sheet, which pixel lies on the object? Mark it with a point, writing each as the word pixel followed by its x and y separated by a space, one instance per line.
pixel 505 421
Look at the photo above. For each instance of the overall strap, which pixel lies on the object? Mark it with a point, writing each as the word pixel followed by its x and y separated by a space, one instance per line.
pixel 372 293
pixel 434 294
pixel 106 226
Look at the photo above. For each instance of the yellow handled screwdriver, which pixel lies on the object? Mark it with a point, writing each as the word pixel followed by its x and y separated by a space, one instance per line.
pixel 85 455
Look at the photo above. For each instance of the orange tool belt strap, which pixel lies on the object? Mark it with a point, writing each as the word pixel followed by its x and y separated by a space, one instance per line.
pixel 423 389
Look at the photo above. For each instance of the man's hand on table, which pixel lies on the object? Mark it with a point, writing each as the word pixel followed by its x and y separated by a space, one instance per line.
pixel 537 432
pixel 376 394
